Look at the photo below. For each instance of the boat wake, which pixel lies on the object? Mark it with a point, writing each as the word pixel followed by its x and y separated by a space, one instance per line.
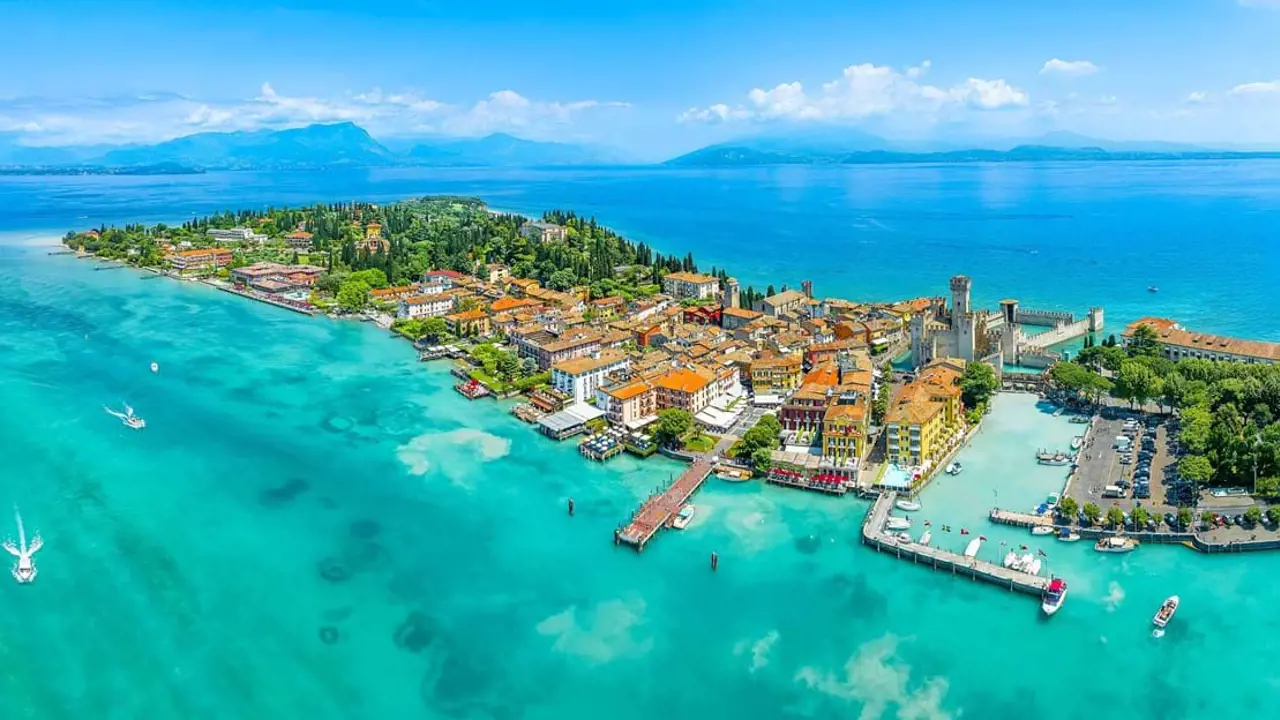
pixel 24 570
pixel 1157 633
pixel 127 417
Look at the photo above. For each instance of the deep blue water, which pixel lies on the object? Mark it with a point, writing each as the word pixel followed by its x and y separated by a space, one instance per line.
pixel 1055 235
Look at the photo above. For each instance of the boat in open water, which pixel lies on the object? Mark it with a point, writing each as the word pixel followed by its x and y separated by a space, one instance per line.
pixel 1165 613
pixel 24 570
pixel 1054 596
pixel 128 418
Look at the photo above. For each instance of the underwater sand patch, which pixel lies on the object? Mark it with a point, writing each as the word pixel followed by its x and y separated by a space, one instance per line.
pixel 454 452
pixel 283 494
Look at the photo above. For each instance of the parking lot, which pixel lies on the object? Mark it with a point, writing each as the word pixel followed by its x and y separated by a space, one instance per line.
pixel 1145 470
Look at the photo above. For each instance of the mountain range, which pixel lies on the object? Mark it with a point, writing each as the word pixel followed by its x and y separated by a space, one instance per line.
pixel 853 147
pixel 310 147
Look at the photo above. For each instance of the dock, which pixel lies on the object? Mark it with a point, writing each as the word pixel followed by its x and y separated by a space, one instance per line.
pixel 1017 519
pixel 873 534
pixel 660 507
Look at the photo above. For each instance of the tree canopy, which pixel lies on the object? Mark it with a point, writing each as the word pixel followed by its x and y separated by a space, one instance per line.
pixel 978 384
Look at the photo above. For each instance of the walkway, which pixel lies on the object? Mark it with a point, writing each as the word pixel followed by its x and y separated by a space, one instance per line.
pixel 659 508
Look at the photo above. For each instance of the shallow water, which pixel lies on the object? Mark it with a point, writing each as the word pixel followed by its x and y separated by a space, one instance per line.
pixel 314 524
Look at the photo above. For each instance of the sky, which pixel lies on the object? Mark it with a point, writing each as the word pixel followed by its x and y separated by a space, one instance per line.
pixel 655 78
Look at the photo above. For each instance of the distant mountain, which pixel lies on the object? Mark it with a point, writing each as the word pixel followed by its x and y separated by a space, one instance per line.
pixel 313 146
pixel 500 149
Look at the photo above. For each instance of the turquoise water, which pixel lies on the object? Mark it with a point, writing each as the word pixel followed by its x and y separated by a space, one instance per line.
pixel 181 573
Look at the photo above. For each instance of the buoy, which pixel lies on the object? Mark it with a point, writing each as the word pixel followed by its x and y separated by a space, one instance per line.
pixel 155 367
pixel 570 507
pixel 715 562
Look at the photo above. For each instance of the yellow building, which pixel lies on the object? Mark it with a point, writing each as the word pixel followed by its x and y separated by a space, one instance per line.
pixel 844 431
pixel 921 424
pixel 777 374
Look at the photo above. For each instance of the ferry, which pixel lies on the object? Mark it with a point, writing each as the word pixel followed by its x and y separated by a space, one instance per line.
pixel 971 550
pixel 908 505
pixel 1068 535
pixel 684 517
pixel 24 570
pixel 1115 544
pixel 1166 611
pixel 898 523
pixel 926 538
pixel 1054 596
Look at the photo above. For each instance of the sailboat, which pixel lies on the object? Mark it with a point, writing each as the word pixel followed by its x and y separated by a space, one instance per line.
pixel 127 417
pixel 24 570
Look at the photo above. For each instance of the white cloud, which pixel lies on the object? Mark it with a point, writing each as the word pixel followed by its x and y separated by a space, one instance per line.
pixel 1255 88
pixel 161 116
pixel 863 91
pixel 1198 98
pixel 1268 4
pixel 1070 68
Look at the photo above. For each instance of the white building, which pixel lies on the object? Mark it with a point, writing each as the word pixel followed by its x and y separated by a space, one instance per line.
pixel 690 285
pixel 239 234
pixel 580 377
pixel 425 306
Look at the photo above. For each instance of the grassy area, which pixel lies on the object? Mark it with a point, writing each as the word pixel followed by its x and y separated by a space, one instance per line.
pixel 701 444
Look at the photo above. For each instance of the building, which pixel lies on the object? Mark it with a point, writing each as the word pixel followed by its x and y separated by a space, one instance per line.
pixel 1177 343
pixel 373 240
pixel 238 234
pixel 273 277
pixel 686 388
pixel 733 317
pixel 777 373
pixel 496 273
pixel 784 303
pixel 544 232
pixel 548 348
pixel 299 240
pixel 844 429
pixel 472 323
pixel 687 285
pixel 580 377
pixel 416 307
pixel 804 410
pixel 632 405
pixel 391 294
pixel 200 260
pixel 701 315
pixel 921 426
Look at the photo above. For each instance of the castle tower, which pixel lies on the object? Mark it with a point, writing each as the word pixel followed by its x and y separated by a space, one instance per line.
pixel 1095 320
pixel 806 286
pixel 1009 310
pixel 960 286
pixel 732 292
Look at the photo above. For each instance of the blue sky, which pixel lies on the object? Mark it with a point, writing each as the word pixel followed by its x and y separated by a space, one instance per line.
pixel 654 77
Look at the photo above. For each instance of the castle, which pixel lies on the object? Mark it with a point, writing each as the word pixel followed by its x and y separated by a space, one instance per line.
pixel 992 337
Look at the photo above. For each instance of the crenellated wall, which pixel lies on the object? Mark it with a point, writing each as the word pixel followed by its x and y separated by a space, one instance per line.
pixel 1050 318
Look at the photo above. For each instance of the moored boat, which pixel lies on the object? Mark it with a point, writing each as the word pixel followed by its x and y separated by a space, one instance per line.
pixel 907 505
pixel 1054 596
pixel 926 538
pixel 1032 567
pixel 1011 560
pixel 1042 530
pixel 1166 611
pixel 903 537
pixel 971 550
pixel 1115 544
pixel 955 468
pixel 1053 459
pixel 684 517
pixel 1076 442
pixel 897 523
pixel 1079 419
pixel 1068 535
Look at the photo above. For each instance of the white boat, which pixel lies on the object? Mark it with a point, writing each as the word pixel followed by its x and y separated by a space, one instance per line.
pixel 904 537
pixel 1116 544
pixel 1054 459
pixel 955 468
pixel 907 505
pixel 1059 411
pixel 1011 560
pixel 926 538
pixel 1032 567
pixel 1076 442
pixel 1043 530
pixel 128 418
pixel 684 517
pixel 1054 499
pixel 971 550
pixel 1068 535
pixel 1054 596
pixel 1166 611
pixel 898 523
pixel 155 367
pixel 24 570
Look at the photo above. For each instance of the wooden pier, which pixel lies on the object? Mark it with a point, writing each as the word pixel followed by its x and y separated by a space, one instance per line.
pixel 1017 519
pixel 659 508
pixel 873 534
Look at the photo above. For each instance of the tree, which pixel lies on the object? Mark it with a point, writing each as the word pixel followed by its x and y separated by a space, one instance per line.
pixel 1184 517
pixel 1253 515
pixel 435 328
pixel 508 366
pixel 1115 516
pixel 672 425
pixel 1067 507
pixel 561 280
pixel 1268 487
pixel 1137 383
pixel 1145 342
pixel 1206 517
pixel 373 277
pixel 1195 468
pixel 1092 513
pixel 1273 515
pixel 528 366
pixel 1140 517
pixel 880 407
pixel 762 460
pixel 978 384
pixel 353 295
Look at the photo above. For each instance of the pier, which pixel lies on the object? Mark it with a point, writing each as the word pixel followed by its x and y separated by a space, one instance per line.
pixel 659 508
pixel 1017 519
pixel 873 534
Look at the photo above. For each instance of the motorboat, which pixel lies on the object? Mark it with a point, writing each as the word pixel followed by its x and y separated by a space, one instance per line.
pixel 1053 458
pixel 684 517
pixel 1076 442
pixel 1059 411
pixel 24 570
pixel 1032 567
pixel 1068 535
pixel 957 468
pixel 1116 544
pixel 128 418
pixel 898 523
pixel 1054 499
pixel 971 550
pixel 155 367
pixel 1054 596
pixel 1043 530
pixel 1079 419
pixel 926 538
pixel 1166 611
pixel 1152 289
pixel 1011 560
pixel 907 505
pixel 903 537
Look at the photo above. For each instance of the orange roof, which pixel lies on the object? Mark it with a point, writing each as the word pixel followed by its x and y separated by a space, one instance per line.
pixel 509 303
pixel 683 380
pixel 468 315
pixel 825 374
pixel 695 278
pixel 626 392
pixel 856 412
pixel 205 251
pixel 387 292
pixel 1175 335
pixel 299 235
pixel 742 313
pixel 1158 324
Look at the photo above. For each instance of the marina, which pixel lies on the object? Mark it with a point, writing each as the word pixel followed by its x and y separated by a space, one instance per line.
pixel 658 509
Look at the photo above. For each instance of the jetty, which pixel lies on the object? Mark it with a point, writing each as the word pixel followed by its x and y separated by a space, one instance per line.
pixel 1018 519
pixel 873 534
pixel 660 507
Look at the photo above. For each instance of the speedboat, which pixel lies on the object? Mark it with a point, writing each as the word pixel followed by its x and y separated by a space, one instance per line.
pixel 898 523
pixel 1068 535
pixel 1079 419
pixel 1054 596
pixel 1076 442
pixel 684 517
pixel 1011 560
pixel 1042 530
pixel 1032 567
pixel 1152 289
pixel 128 418
pixel 1166 611
pixel 1115 544
pixel 908 505
pixel 1054 499
pixel 24 570
pixel 971 550
pixel 955 468
pixel 925 538
pixel 903 537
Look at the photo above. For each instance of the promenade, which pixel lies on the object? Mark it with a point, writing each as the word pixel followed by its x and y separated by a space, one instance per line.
pixel 659 508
